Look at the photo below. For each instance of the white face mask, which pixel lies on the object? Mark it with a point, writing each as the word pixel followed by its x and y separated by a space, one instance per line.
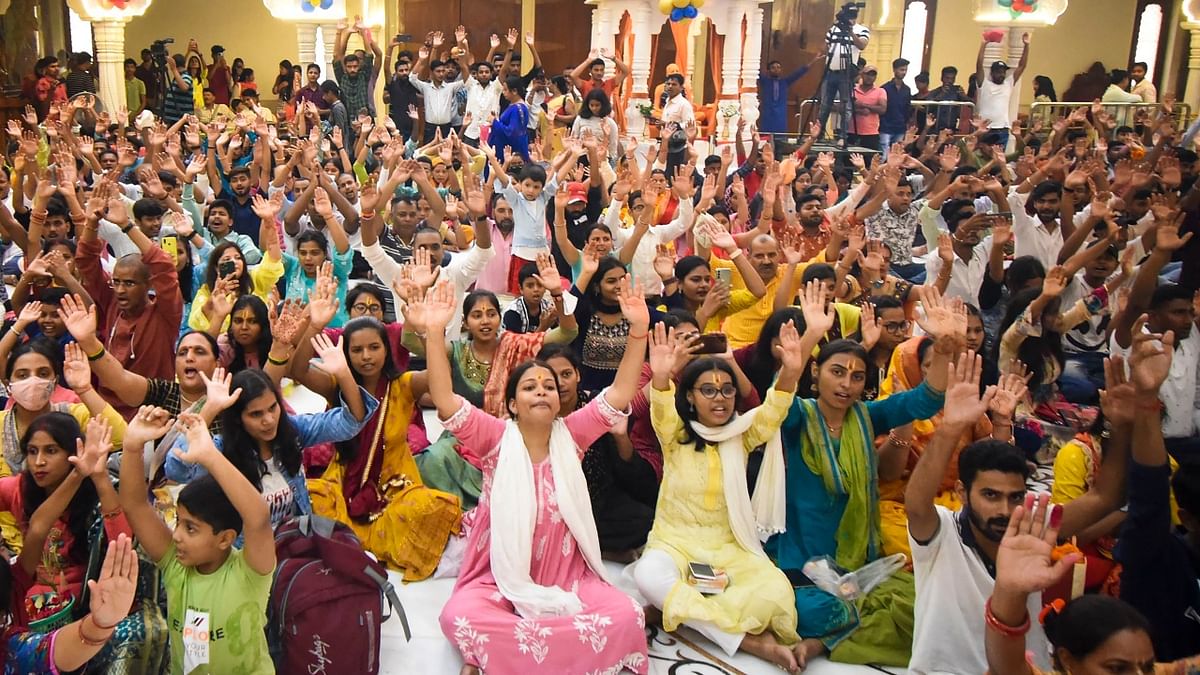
pixel 31 393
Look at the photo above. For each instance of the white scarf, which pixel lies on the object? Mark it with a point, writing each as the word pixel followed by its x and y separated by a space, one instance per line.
pixel 766 514
pixel 514 515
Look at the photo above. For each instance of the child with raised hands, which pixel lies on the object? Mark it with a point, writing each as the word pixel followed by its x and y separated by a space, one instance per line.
pixel 212 588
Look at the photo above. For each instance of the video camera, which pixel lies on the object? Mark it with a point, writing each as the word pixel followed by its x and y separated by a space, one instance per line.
pixel 158 51
pixel 847 13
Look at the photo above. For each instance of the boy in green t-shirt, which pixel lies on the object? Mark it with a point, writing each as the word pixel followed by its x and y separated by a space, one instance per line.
pixel 216 595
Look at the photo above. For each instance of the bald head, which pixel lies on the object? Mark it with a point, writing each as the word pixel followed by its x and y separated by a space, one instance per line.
pixel 764 255
pixel 130 283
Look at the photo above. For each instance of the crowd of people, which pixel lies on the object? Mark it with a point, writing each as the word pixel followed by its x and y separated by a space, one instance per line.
pixel 963 369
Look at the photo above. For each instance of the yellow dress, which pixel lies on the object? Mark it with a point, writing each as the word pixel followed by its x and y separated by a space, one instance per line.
pixel 691 524
pixel 263 276
pixel 410 532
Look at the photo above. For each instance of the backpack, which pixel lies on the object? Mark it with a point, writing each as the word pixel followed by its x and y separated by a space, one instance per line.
pixel 327 600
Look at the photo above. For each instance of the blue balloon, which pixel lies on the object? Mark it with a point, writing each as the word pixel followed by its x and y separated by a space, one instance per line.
pixel 676 14
pixel 690 12
pixel 306 6
pixel 326 4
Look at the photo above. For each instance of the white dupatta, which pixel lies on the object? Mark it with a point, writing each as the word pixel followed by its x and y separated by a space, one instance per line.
pixel 514 515
pixel 754 519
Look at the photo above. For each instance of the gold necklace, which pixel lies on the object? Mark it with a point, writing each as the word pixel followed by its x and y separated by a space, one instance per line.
pixel 474 368
pixel 380 420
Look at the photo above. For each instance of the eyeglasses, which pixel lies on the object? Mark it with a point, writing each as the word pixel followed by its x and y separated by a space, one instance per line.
pixel 711 391
pixel 895 326
pixel 364 308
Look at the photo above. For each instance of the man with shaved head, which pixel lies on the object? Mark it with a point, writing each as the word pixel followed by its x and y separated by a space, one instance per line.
pixel 139 330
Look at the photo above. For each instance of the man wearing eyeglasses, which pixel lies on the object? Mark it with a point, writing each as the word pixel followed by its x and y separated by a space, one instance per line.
pixel 140 331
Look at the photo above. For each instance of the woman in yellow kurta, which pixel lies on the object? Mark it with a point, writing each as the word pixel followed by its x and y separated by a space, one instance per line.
pixel 373 484
pixel 227 270
pixel 910 362
pixel 704 512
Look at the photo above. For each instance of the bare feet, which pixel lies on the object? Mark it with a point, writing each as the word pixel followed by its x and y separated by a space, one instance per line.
pixel 807 650
pixel 468 669
pixel 766 647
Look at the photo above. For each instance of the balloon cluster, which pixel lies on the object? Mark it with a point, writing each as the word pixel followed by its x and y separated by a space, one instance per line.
pixel 1019 6
pixel 679 10
pixel 312 5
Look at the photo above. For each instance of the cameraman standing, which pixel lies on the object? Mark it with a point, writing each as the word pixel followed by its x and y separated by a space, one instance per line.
pixel 844 41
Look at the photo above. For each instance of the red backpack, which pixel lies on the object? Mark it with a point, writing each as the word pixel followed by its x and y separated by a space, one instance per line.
pixel 327 600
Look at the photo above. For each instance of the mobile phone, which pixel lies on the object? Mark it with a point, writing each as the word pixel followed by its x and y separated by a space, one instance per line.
pixel 702 571
pixel 725 275
pixel 713 343
pixel 226 268
pixel 170 244
pixel 404 37
pixel 1007 215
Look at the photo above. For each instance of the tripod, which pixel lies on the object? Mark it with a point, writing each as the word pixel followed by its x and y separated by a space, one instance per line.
pixel 841 42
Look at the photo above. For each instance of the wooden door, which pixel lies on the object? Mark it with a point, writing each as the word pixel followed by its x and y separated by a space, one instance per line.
pixel 481 18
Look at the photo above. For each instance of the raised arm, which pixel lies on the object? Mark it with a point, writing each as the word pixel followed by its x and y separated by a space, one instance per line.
pixel 625 383
pixel 149 424
pixel 429 319
pixel 80 320
pixel 964 407
pixel 259 549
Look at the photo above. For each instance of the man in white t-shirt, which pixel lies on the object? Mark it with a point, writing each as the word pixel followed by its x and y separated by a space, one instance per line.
pixel 1168 307
pixel 954 554
pixel 996 90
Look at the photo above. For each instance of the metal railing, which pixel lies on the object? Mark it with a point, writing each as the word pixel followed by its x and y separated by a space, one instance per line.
pixel 946 118
pixel 1125 114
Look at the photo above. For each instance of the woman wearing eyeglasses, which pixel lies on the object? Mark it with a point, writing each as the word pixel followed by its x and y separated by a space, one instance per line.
pixel 705 515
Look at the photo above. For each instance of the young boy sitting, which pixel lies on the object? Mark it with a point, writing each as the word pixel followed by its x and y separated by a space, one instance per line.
pixel 216 595
pixel 531 311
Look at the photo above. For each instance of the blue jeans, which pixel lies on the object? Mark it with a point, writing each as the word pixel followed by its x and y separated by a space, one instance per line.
pixel 1003 134
pixel 913 273
pixel 886 140
pixel 1082 377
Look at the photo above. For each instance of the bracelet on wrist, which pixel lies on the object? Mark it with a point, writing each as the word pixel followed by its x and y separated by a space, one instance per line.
pixel 638 337
pixel 733 255
pixel 98 355
pixel 1011 632
pixel 278 361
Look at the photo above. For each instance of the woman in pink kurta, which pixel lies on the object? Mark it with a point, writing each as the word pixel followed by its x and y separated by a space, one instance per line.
pixel 500 622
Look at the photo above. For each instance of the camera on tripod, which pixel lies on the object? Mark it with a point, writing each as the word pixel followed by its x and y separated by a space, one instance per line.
pixel 158 51
pixel 848 13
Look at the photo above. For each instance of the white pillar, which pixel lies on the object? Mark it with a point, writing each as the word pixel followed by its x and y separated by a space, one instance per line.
pixel 643 24
pixel 109 35
pixel 329 35
pixel 751 62
pixel 306 44
pixel 1193 72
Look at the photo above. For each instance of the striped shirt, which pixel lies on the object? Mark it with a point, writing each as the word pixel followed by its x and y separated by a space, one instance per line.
pixel 179 102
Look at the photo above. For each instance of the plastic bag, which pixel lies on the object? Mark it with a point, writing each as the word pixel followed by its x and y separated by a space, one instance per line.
pixel 850 586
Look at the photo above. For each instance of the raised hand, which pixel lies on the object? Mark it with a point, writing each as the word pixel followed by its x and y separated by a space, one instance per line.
pixel 1056 282
pixel 111 595
pixel 1150 358
pixel 1167 236
pixel 433 315
pixel 964 405
pixel 148 424
pixel 201 449
pixel 633 305
pixel 1023 563
pixel 1009 392
pixel 942 317
pixel 869 326
pixel 76 370
pixel 1118 398
pixel 217 391
pixel 819 315
pixel 548 274
pixel 792 351
pixel 663 354
pixel 91 457
pixel 333 359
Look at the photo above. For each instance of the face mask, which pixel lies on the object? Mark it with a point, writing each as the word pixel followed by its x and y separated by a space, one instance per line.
pixel 32 393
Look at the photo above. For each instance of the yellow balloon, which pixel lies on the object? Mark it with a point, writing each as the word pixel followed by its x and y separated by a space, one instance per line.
pixel 665 6
pixel 697 3
pixel 681 3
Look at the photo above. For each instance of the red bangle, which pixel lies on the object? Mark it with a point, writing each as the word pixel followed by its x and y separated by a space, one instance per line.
pixel 1004 629
pixel 638 337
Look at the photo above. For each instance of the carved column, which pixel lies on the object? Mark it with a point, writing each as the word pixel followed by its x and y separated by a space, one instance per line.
pixel 306 44
pixel 329 36
pixel 110 60
pixel 751 62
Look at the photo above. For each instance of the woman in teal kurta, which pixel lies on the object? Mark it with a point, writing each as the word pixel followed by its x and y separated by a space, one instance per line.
pixel 833 474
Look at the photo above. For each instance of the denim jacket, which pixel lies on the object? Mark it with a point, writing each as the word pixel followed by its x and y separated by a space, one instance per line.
pixel 332 426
